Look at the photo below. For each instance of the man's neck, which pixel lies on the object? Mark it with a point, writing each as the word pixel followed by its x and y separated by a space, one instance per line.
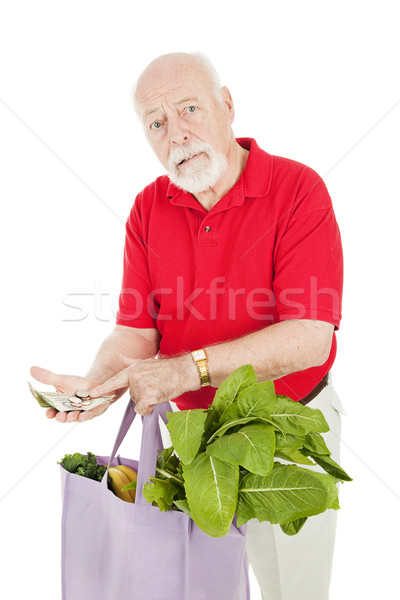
pixel 236 164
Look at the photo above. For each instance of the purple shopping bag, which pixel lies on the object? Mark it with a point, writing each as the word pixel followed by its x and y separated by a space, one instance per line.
pixel 115 550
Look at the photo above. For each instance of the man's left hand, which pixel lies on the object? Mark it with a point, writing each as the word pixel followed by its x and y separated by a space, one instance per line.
pixel 152 381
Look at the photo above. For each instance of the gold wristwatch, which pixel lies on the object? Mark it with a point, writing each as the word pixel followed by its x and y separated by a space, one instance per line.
pixel 200 360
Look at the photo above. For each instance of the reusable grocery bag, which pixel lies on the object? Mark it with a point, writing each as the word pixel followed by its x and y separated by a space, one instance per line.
pixel 116 550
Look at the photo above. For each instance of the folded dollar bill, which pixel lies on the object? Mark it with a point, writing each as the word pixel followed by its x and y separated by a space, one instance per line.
pixel 62 402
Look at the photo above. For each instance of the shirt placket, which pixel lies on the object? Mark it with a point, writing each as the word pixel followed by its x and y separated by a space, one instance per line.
pixel 208 231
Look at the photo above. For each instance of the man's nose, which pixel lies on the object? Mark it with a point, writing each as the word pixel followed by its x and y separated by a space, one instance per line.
pixel 178 133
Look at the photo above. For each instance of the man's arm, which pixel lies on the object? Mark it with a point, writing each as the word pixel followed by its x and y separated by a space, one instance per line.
pixel 274 352
pixel 138 343
pixel 129 341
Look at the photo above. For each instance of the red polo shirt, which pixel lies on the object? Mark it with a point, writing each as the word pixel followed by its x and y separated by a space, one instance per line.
pixel 268 251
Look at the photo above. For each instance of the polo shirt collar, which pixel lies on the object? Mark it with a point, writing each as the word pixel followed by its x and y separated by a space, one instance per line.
pixel 254 182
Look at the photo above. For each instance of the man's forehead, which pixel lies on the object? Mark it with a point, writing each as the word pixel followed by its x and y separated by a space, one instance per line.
pixel 172 86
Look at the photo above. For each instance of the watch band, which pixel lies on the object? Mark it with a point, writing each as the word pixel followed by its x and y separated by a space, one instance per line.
pixel 200 360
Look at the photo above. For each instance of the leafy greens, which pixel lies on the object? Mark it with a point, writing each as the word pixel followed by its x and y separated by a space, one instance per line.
pixel 223 460
pixel 85 465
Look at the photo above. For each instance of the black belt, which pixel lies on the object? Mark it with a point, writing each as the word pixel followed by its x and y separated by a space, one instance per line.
pixel 318 388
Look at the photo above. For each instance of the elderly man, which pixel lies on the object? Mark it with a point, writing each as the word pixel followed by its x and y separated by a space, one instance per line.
pixel 233 258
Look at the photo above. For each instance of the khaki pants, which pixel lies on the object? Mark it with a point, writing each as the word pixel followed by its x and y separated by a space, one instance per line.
pixel 299 567
pixel 296 567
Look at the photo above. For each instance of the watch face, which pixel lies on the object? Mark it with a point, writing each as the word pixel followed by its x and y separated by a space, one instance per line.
pixel 199 355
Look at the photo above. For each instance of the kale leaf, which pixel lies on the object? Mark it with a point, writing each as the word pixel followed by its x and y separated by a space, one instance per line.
pixel 85 465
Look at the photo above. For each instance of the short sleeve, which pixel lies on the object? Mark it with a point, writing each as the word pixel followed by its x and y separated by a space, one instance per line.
pixel 308 281
pixel 136 304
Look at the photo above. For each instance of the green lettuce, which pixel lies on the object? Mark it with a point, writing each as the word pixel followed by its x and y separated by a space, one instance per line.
pixel 223 461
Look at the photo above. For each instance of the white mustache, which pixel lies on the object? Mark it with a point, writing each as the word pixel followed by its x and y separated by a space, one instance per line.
pixel 202 174
pixel 187 151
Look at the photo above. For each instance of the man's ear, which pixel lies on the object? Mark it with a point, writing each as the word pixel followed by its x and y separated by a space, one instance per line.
pixel 228 102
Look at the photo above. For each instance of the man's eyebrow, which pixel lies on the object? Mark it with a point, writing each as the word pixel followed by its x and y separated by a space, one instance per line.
pixel 188 99
pixel 151 111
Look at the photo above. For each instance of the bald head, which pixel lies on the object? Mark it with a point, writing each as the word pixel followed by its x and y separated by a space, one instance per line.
pixel 170 69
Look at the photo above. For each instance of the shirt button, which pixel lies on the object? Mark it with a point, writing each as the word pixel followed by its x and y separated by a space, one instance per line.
pixel 207 228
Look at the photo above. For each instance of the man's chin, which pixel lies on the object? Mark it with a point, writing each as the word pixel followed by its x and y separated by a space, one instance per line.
pixel 187 187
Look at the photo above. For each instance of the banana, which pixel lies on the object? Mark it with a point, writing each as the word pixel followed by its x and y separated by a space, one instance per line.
pixel 131 475
pixel 118 481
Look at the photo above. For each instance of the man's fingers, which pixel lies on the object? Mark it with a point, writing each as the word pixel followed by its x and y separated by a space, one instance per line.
pixel 86 415
pixel 126 361
pixel 67 417
pixel 72 416
pixel 61 417
pixel 44 376
pixel 143 409
pixel 115 383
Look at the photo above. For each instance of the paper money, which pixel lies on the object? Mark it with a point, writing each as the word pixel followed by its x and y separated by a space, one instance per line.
pixel 62 402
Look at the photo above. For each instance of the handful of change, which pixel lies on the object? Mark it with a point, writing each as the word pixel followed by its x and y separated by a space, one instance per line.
pixel 66 402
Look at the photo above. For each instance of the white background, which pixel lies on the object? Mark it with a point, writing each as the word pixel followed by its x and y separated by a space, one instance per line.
pixel 315 81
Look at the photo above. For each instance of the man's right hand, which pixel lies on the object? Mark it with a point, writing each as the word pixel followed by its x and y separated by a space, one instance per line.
pixel 69 384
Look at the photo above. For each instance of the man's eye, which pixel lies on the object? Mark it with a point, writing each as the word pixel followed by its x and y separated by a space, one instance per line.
pixel 155 125
pixel 191 109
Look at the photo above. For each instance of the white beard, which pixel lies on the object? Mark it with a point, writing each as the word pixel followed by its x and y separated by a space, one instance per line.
pixel 203 173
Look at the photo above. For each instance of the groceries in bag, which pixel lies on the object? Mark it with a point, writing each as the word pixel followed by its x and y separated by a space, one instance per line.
pixel 119 476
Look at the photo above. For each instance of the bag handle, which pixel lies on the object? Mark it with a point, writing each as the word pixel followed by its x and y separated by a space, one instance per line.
pixel 150 444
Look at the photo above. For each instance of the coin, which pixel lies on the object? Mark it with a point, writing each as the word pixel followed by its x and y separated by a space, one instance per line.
pixel 82 394
pixel 86 402
pixel 77 404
